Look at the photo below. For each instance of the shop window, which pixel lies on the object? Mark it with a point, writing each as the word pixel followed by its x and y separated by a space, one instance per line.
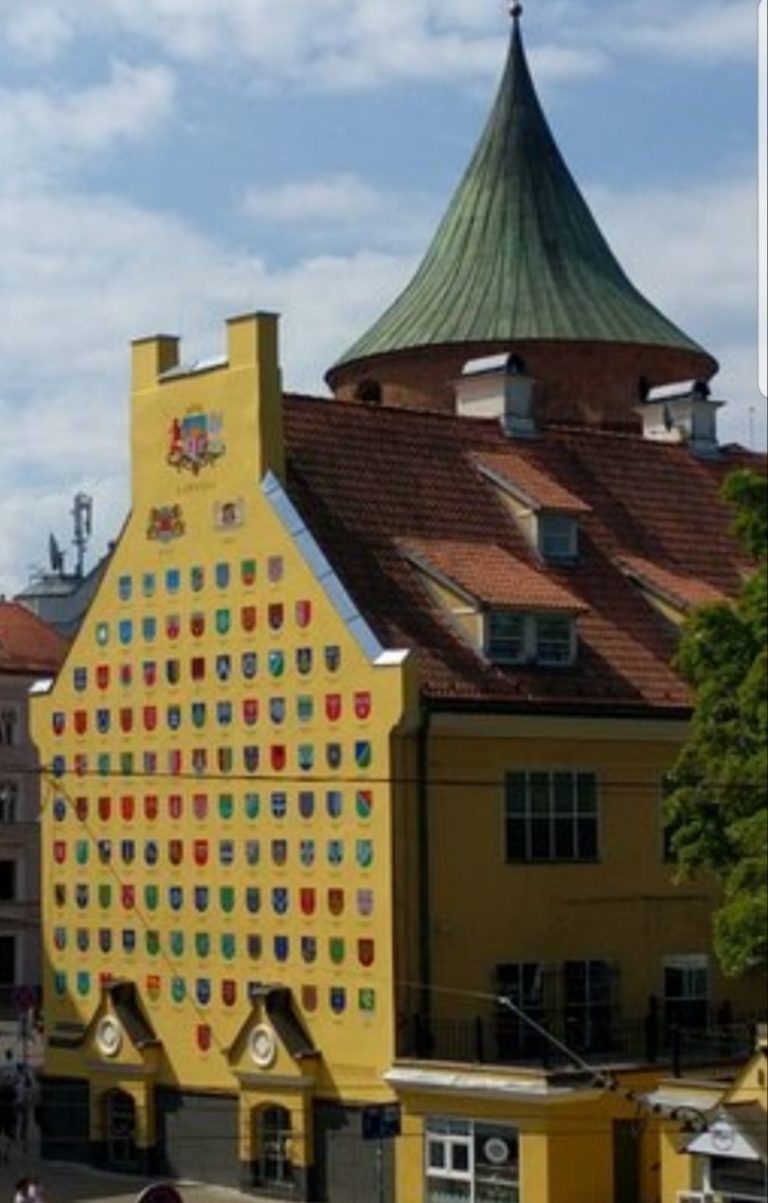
pixel 471 1161
pixel 551 816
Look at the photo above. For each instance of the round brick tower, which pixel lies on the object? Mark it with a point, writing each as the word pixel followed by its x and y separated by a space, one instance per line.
pixel 519 266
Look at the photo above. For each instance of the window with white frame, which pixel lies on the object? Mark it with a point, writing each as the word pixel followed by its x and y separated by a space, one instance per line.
pixel 558 537
pixel 686 991
pixel 517 638
pixel 471 1161
pixel 9 799
pixel 551 816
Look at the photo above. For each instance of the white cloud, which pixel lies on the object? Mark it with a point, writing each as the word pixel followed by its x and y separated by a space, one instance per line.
pixel 715 31
pixel 37 32
pixel 41 130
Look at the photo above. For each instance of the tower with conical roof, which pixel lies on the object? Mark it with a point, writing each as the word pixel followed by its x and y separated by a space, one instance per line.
pixel 519 265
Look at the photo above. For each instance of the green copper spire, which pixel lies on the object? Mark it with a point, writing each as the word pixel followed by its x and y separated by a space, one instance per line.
pixel 518 254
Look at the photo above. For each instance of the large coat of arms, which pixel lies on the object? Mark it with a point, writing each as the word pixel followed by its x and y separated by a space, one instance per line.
pixel 195 441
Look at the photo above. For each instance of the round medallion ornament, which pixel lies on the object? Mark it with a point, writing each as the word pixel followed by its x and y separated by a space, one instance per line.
pixel 109 1036
pixel 496 1150
pixel 263 1046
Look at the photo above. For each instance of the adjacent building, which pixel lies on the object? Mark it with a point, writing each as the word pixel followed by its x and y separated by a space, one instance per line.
pixel 356 765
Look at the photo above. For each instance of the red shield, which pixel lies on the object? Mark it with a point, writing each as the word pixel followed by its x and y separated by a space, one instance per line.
pixel 174 761
pixel 128 895
pixel 81 808
pixel 303 613
pixel 59 722
pixel 173 626
pixel 333 707
pixel 275 616
pixel 201 852
pixel 81 764
pixel 153 986
pixel 203 1037
pixel 277 757
pixel 126 674
pixel 102 676
pixel 229 992
pixel 366 952
pixel 149 672
pixel 197 624
pixel 248 618
pixel 126 719
pixel 150 806
pixel 175 851
pixel 308 901
pixel 81 721
pixel 150 718
pixel 250 711
pixel 127 807
pixel 60 851
pixel 309 998
pixel 200 806
pixel 105 809
pixel 175 806
pixel 336 902
pixel 363 705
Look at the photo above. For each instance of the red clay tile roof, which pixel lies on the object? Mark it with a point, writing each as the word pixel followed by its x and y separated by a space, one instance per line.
pixel 684 592
pixel 490 575
pixel 27 644
pixel 372 479
pixel 526 481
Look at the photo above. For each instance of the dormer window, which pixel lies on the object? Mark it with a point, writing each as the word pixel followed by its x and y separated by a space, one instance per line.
pixel 516 638
pixel 558 537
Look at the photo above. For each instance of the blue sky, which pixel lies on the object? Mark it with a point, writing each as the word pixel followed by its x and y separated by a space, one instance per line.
pixel 165 164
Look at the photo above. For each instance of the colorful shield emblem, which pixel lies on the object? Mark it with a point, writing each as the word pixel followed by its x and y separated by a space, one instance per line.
pixel 176 897
pixel 151 853
pixel 151 807
pixel 124 588
pixel 279 852
pixel 225 759
pixel 103 764
pixel 334 803
pixel 248 618
pixel 307 853
pixel 103 721
pixel 275 568
pixel 278 804
pixel 228 946
pixel 102 634
pixel 251 758
pixel 198 715
pixel 153 987
pixel 303 613
pixel 127 851
pixel 83 982
pixel 148 584
pixel 366 952
pixel 105 851
pixel 203 1034
pixel 364 803
pixel 152 942
pixel 335 852
pixel 80 720
pixel 250 711
pixel 60 938
pixel 229 992
pixel 176 851
pixel 173 671
pixel 363 753
pixel 202 944
pixel 336 950
pixel 126 764
pixel 126 675
pixel 178 989
pixel 275 616
pixel 199 760
pixel 200 852
pixel 202 898
pixel 149 629
pixel 254 946
pixel 59 810
pixel 60 851
pixel 277 710
pixel 197 668
pixel 276 663
pixel 309 998
pixel 105 939
pixel 227 899
pixel 59 722
pixel 248 572
pixel 366 999
pixel 105 896
pixel 336 902
pixel 223 667
pixel 282 947
pixel 81 764
pixel 333 707
pixel 338 999
pixel 173 626
pixel 305 754
pixel 362 705
pixel 223 622
pixel 175 760
pixel 82 851
pixel 60 982
pixel 173 716
pixel 172 580
pixel 102 676
pixel 252 806
pixel 280 900
pixel 196 578
pixel 332 658
pixel 307 901
pixel 128 897
pixel 80 679
pixel 303 661
pixel 305 708
pixel 125 631
pixel 197 624
pixel 226 806
pixel 224 713
pixel 126 719
pixel 129 939
pixel 203 991
pixel 59 766
pixel 221 576
pixel 177 943
pixel 175 806
pixel 249 664
pixel 364 853
pixel 253 900
pixel 252 852
pixel 333 755
pixel 150 718
pixel 278 757
pixel 128 808
pixel 308 949
pixel 306 803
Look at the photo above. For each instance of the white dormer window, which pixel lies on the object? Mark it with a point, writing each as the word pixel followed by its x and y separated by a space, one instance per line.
pixel 545 639
pixel 558 537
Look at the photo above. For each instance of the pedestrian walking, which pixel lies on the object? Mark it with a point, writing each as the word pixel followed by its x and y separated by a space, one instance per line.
pixel 7 1118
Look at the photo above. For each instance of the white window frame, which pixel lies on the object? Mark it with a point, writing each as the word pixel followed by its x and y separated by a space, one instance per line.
pixel 568 538
pixel 687 963
pixel 530 641
pixel 461 1132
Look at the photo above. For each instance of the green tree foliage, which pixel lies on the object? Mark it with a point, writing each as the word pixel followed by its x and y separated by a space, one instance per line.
pixel 718 808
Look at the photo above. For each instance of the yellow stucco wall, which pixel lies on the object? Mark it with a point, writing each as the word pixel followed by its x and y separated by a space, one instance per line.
pixel 204 545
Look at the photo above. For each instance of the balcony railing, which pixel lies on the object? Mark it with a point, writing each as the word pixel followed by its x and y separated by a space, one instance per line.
pixel 604 1038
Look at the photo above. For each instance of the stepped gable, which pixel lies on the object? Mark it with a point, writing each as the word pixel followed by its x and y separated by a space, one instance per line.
pixel 27 644
pixel 380 487
pixel 519 263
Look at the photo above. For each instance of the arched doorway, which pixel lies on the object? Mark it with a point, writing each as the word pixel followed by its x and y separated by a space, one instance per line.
pixel 273 1141
pixel 120 1130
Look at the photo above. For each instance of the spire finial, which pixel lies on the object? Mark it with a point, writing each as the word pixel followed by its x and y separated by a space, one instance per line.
pixel 516 12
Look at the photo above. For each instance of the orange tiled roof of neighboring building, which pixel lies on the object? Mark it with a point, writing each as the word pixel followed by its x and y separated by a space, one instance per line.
pixel 27 644
pixel 684 592
pixel 490 575
pixel 370 480
pixel 515 471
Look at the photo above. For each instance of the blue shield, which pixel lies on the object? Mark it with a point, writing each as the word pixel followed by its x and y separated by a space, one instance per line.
pixel 103 721
pixel 176 897
pixel 276 663
pixel 174 717
pixel 149 629
pixel 223 667
pixel 80 679
pixel 125 631
pixel 224 713
pixel 127 851
pixel 201 898
pixel 338 999
pixel 203 991
pixel 307 853
pixel 282 948
pixel 277 710
pixel 151 852
pixel 251 757
pixel 306 803
pixel 172 580
pixel 280 900
pixel 148 584
pixel 249 664
pixel 278 803
pixel 129 939
pixel 222 576
pixel 363 754
pixel 334 803
pixel 333 755
pixel 125 588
